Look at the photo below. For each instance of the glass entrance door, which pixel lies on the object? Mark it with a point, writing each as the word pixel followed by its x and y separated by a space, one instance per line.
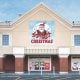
pixel 34 64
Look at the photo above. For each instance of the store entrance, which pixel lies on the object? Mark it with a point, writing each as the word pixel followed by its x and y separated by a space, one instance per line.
pixel 35 63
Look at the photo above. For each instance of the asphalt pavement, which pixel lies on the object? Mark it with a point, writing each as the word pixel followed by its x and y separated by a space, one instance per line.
pixel 39 77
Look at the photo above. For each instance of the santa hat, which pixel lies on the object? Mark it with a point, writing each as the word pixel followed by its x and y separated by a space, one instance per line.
pixel 42 24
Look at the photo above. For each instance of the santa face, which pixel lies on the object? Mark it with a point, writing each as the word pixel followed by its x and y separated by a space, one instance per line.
pixel 41 28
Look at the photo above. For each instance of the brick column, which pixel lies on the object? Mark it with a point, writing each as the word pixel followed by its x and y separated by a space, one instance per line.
pixel 63 61
pixel 19 59
pixel 1 63
pixel 19 63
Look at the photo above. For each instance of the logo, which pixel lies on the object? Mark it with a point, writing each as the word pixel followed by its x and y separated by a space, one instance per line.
pixel 41 33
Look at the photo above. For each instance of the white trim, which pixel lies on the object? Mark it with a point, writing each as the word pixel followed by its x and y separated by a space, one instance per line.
pixel 1 56
pixel 64 51
pixel 19 56
pixel 63 73
pixel 18 50
pixel 63 56
pixel 19 72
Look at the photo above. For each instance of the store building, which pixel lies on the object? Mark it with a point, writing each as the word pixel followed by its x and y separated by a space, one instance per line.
pixel 40 37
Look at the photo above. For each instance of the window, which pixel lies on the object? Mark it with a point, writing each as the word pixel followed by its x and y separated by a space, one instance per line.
pixel 5 40
pixel 35 64
pixel 77 40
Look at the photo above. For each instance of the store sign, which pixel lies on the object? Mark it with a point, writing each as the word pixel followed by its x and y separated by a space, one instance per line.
pixel 41 32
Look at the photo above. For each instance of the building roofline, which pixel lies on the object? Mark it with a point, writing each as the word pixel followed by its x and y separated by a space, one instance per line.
pixel 41 3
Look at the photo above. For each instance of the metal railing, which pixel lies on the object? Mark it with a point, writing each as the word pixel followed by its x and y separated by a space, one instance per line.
pixel 76 23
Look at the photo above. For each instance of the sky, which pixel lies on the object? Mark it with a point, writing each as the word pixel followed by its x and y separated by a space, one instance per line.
pixel 69 9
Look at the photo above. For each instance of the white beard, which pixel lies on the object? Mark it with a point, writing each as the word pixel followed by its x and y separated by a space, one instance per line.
pixel 41 30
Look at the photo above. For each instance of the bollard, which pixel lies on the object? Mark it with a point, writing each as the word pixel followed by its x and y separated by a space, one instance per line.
pixel 29 72
pixel 53 70
pixel 79 71
pixel 41 70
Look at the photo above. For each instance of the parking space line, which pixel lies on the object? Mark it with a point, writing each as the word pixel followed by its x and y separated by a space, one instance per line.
pixel 8 76
pixel 18 78
pixel 65 78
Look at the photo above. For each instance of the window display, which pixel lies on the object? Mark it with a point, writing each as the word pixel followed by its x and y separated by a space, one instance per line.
pixel 75 64
pixel 35 64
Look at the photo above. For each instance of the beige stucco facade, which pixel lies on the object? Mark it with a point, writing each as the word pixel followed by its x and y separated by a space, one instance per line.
pixel 19 37
pixel 19 30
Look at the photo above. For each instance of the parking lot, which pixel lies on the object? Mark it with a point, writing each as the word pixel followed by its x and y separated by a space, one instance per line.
pixel 39 77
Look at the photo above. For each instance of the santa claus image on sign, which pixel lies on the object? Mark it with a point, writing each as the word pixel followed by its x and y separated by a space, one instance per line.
pixel 41 31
